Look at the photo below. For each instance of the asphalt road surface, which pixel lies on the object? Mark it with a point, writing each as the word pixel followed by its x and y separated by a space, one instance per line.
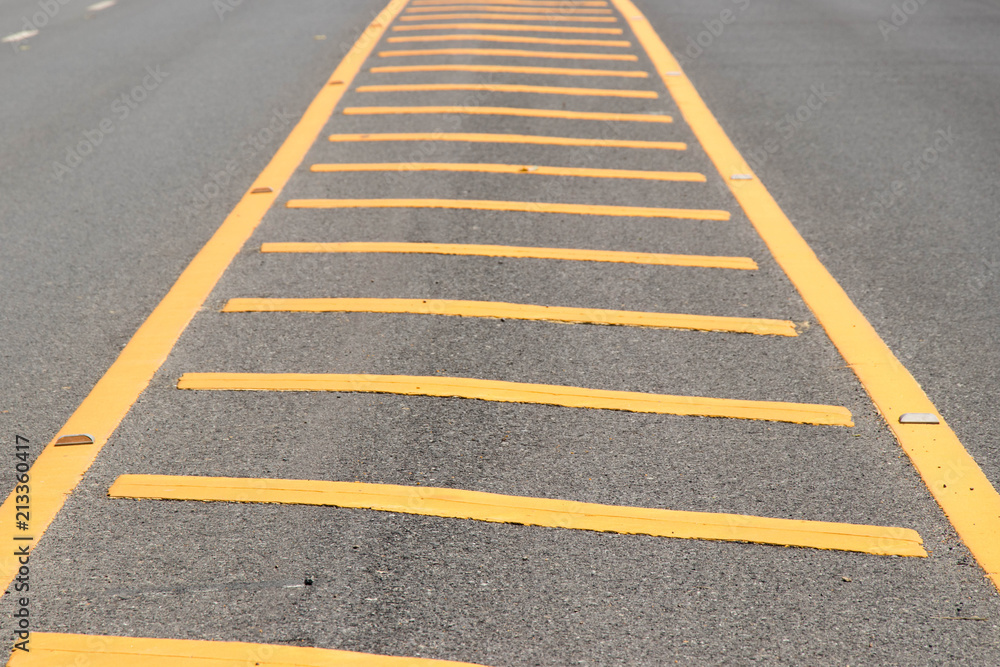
pixel 134 130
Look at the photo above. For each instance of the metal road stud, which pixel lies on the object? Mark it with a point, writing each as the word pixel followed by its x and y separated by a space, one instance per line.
pixel 919 418
pixel 77 439
pixel 741 177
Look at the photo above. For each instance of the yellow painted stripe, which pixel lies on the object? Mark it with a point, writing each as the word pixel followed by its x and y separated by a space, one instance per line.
pixel 581 172
pixel 569 254
pixel 511 39
pixel 509 27
pixel 516 311
pixel 527 511
pixel 954 478
pixel 515 3
pixel 58 470
pixel 518 206
pixel 507 88
pixel 512 139
pixel 505 8
pixel 511 17
pixel 511 111
pixel 50 649
pixel 508 53
pixel 512 69
pixel 519 392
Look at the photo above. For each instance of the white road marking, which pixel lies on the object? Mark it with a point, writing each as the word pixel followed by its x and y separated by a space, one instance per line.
pixel 104 4
pixel 18 36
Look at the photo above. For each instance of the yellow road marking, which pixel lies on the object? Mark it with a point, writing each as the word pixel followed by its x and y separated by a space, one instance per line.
pixel 515 311
pixel 527 511
pixel 509 53
pixel 511 111
pixel 512 139
pixel 512 69
pixel 511 17
pixel 509 27
pixel 518 206
pixel 570 254
pixel 581 172
pixel 58 470
pixel 954 478
pixel 516 3
pixel 505 8
pixel 520 392
pixel 511 39
pixel 507 88
pixel 50 649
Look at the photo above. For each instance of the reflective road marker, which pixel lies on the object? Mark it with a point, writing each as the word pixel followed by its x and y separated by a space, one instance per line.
pixel 552 513
pixel 521 392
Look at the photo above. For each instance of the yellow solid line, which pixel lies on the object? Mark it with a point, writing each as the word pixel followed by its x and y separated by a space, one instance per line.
pixel 511 17
pixel 504 8
pixel 512 139
pixel 569 254
pixel 51 649
pixel 581 172
pixel 527 511
pixel 512 69
pixel 509 27
pixel 518 206
pixel 516 311
pixel 514 3
pixel 954 478
pixel 58 470
pixel 511 39
pixel 511 111
pixel 520 392
pixel 508 88
pixel 509 53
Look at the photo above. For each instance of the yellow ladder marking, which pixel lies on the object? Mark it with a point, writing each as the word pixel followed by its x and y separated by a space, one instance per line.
pixel 511 17
pixel 712 262
pixel 512 139
pixel 527 511
pixel 580 172
pixel 514 3
pixel 512 111
pixel 51 649
pixel 956 481
pixel 509 53
pixel 512 69
pixel 509 28
pixel 520 392
pixel 515 311
pixel 518 206
pixel 109 401
pixel 502 8
pixel 512 39
pixel 507 88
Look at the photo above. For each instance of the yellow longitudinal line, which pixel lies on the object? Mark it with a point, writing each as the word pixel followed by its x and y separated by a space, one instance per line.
pixel 512 3
pixel 520 392
pixel 580 172
pixel 99 414
pixel 509 53
pixel 480 137
pixel 515 311
pixel 523 510
pixel 511 69
pixel 569 254
pixel 956 481
pixel 516 206
pixel 51 649
pixel 510 39
pixel 509 27
pixel 510 17
pixel 507 88
pixel 505 8
pixel 511 111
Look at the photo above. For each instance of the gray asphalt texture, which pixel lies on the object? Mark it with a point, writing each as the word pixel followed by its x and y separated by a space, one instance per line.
pixel 87 255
